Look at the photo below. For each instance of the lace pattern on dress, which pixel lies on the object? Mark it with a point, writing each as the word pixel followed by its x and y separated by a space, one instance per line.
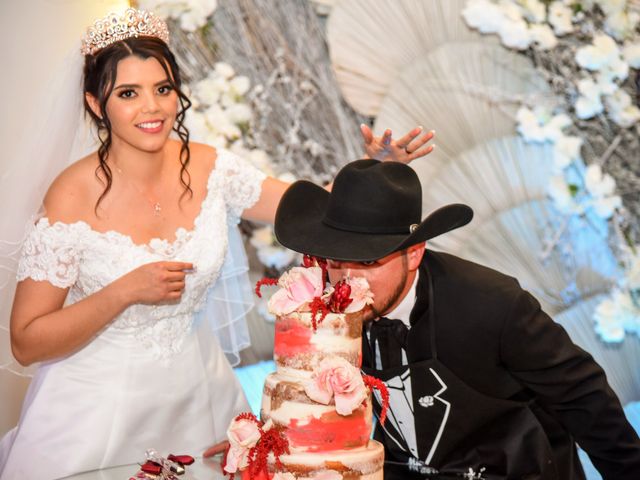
pixel 52 253
pixel 242 182
pixel 76 256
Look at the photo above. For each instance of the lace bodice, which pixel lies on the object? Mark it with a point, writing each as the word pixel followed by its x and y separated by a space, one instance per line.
pixel 76 256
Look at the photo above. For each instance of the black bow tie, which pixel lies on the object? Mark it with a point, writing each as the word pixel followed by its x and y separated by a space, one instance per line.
pixel 391 337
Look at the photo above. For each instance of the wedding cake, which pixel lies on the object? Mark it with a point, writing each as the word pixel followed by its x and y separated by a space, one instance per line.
pixel 316 415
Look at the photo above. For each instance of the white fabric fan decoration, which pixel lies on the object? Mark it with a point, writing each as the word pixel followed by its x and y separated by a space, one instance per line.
pixel 467 92
pixel 323 7
pixel 371 41
pixel 513 242
pixel 492 176
pixel 620 361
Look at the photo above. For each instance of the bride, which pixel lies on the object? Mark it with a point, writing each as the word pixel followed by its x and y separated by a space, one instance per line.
pixel 113 278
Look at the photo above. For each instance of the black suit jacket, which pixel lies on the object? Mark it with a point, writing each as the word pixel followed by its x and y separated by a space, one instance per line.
pixel 494 336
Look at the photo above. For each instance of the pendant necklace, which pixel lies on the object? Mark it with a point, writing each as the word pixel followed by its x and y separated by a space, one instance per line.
pixel 157 208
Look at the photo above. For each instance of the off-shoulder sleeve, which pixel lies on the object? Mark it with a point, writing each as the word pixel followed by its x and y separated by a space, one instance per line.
pixel 242 182
pixel 51 253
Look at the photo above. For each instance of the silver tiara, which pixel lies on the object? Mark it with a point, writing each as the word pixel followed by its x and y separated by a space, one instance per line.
pixel 114 27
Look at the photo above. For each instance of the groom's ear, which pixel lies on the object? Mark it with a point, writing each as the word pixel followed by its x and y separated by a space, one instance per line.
pixel 414 255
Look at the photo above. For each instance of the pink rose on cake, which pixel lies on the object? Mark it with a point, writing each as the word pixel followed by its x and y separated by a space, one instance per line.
pixel 243 435
pixel 361 294
pixel 336 378
pixel 298 287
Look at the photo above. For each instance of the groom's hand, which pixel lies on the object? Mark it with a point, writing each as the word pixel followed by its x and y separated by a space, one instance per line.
pixel 215 449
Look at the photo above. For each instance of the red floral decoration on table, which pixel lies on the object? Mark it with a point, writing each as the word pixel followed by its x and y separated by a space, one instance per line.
pixel 271 441
pixel 318 307
pixel 264 281
pixel 164 468
pixel 341 297
pixel 182 459
pixel 373 382
pixel 151 467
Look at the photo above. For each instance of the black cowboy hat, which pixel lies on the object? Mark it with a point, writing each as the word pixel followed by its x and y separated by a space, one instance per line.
pixel 373 209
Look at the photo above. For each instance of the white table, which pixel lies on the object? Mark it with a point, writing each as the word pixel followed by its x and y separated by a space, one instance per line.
pixel 201 469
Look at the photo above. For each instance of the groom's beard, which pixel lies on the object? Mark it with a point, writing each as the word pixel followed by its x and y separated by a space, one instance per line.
pixel 375 313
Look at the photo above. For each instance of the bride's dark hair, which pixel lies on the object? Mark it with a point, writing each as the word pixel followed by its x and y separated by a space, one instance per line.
pixel 100 72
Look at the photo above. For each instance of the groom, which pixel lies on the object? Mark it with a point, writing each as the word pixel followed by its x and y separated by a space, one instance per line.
pixel 483 384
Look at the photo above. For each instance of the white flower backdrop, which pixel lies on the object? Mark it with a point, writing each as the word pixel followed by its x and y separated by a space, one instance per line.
pixel 288 111
pixel 598 45
pixel 535 104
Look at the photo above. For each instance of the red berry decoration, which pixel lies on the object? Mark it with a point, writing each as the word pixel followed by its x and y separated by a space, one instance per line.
pixel 341 297
pixel 373 382
pixel 271 441
pixel 308 261
pixel 264 281
pixel 318 307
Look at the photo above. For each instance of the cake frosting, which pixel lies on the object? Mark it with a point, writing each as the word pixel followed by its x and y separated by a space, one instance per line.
pixel 298 349
pixel 316 402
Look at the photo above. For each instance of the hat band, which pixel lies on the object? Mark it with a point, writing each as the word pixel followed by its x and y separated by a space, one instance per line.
pixel 367 228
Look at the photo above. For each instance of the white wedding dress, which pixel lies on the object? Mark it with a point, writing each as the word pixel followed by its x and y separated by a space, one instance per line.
pixel 156 377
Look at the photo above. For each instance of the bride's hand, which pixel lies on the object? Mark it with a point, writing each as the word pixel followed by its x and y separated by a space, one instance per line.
pixel 215 449
pixel 404 150
pixel 154 283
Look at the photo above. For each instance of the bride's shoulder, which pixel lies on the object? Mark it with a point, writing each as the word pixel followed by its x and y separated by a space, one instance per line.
pixel 202 163
pixel 74 191
pixel 203 157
